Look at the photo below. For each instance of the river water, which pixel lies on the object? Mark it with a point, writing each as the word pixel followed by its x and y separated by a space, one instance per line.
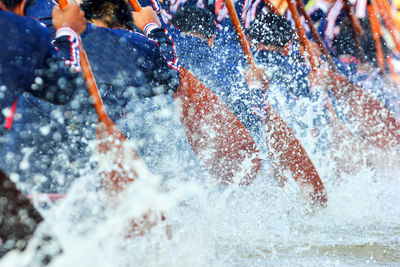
pixel 212 225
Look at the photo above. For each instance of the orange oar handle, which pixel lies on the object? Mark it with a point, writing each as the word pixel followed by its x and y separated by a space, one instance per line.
pixel 135 5
pixel 63 3
pixel 389 12
pixel 314 33
pixel 376 30
pixel 302 33
pixel 239 30
pixel 93 89
pixel 388 22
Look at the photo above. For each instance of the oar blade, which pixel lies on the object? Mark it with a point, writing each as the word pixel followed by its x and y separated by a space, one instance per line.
pixel 368 116
pixel 287 152
pixel 222 144
pixel 115 158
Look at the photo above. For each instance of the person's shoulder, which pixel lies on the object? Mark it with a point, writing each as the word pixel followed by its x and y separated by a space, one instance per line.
pixel 41 9
pixel 24 27
pixel 130 34
pixel 14 20
pixel 131 37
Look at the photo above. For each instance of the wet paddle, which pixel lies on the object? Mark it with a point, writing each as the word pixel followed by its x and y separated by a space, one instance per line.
pixel 285 149
pixel 113 150
pixel 341 138
pixel 366 114
pixel 222 144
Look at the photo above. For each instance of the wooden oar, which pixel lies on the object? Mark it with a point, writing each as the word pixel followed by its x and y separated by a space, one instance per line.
pixel 314 33
pixel 376 34
pixel 342 138
pixel 367 115
pixel 112 148
pixel 389 12
pixel 285 149
pixel 387 19
pixel 356 29
pixel 222 144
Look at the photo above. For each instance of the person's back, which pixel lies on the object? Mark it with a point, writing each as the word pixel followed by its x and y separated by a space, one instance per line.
pixel 30 63
pixel 126 66
pixel 26 48
pixel 23 39
pixel 129 66
pixel 149 118
pixel 272 37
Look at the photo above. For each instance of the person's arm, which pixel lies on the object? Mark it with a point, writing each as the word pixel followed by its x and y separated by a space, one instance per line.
pixel 57 78
pixel 166 77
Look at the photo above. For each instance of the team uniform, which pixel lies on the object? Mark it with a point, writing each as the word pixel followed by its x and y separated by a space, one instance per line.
pixel 154 126
pixel 30 64
pixel 134 72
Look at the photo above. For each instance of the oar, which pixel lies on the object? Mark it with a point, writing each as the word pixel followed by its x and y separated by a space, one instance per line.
pixel 314 33
pixel 389 12
pixel 220 141
pixel 387 19
pixel 112 148
pixel 303 36
pixel 285 149
pixel 340 133
pixel 367 115
pixel 354 27
pixel 376 34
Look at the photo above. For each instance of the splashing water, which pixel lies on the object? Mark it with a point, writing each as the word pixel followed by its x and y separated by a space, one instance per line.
pixel 258 225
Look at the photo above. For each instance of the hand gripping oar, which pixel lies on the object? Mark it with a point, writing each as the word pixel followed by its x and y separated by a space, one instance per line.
pixel 222 144
pixel 367 115
pixel 285 149
pixel 272 7
pixel 112 148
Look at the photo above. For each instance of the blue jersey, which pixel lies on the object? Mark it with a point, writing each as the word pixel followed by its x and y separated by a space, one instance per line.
pixel 128 65
pixel 30 63
pixel 287 71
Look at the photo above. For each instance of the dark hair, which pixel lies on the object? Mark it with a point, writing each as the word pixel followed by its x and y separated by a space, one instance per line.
pixel 271 29
pixel 195 20
pixel 12 4
pixel 114 13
